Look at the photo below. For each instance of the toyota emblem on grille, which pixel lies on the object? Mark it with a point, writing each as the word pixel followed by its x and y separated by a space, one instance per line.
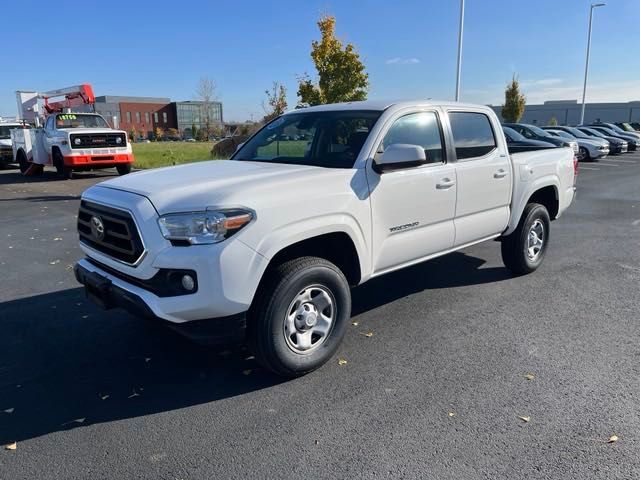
pixel 97 228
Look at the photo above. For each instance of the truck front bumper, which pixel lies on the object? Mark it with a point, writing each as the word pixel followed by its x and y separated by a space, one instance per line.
pixel 98 160
pixel 108 291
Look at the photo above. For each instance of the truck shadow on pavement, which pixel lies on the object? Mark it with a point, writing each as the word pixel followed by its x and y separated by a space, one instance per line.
pixel 66 364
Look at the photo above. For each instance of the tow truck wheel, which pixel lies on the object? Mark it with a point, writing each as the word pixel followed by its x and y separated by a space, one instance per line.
pixel 61 168
pixel 123 168
pixel 300 316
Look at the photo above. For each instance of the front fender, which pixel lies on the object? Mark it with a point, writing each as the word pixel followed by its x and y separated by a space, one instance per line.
pixel 303 229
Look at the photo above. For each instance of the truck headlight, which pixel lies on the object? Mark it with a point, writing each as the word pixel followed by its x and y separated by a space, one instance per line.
pixel 198 228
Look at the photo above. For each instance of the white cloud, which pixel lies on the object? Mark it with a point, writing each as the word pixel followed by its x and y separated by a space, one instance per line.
pixel 402 61
pixel 543 82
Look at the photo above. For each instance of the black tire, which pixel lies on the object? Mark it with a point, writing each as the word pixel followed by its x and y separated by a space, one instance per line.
pixel 23 162
pixel 277 293
pixel 515 246
pixel 584 155
pixel 123 168
pixel 58 162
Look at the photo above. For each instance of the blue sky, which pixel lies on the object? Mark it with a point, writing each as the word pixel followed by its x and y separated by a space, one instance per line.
pixel 408 46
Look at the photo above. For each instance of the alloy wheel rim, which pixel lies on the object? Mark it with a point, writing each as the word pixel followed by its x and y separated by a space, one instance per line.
pixel 535 240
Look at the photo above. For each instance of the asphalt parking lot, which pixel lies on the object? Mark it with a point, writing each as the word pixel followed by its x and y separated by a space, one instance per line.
pixel 435 392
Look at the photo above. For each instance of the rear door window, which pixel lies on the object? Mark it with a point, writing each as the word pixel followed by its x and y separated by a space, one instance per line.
pixel 472 134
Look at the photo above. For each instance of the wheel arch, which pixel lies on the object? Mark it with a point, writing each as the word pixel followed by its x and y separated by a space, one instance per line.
pixel 545 193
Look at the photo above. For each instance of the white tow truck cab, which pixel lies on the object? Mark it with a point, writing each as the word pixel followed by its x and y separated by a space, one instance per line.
pixel 264 247
pixel 69 141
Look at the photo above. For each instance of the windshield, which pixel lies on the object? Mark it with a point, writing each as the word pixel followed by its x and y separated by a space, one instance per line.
pixel 562 133
pixel 73 120
pixel 538 131
pixel 594 132
pixel 512 135
pixel 577 133
pixel 323 139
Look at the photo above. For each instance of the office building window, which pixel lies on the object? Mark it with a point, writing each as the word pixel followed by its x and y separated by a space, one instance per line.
pixel 128 117
pixel 155 117
pixel 137 117
pixel 164 117
pixel 146 117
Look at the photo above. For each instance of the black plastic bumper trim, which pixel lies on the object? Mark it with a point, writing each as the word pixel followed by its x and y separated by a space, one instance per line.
pixel 100 290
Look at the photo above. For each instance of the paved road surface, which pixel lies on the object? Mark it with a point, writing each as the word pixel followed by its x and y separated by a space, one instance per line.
pixel 436 392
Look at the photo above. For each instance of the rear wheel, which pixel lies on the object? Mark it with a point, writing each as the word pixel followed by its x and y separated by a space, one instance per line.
pixel 123 168
pixel 524 250
pixel 23 163
pixel 300 316
pixel 58 161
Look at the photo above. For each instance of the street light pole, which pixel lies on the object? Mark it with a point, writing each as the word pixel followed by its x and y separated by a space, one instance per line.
pixel 460 30
pixel 586 67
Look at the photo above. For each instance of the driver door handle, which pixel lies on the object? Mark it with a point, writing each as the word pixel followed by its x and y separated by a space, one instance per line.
pixel 500 173
pixel 445 183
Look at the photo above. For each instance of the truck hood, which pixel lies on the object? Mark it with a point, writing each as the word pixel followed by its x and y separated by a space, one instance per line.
pixel 89 130
pixel 215 183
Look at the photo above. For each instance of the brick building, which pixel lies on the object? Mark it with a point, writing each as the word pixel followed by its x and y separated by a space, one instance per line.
pixel 144 114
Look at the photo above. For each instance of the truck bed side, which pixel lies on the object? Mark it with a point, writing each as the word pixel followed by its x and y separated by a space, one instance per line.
pixel 535 170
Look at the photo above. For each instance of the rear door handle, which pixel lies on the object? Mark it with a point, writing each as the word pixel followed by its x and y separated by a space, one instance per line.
pixel 500 174
pixel 445 183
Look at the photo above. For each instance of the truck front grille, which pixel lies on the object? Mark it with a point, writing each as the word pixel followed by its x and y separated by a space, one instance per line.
pixel 110 231
pixel 98 140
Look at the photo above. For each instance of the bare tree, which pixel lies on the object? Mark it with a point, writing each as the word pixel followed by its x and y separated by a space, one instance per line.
pixel 276 102
pixel 206 93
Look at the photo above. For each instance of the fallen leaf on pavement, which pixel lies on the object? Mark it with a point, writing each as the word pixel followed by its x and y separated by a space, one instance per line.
pixel 11 446
pixel 342 361
pixel 9 410
pixel 612 439
pixel 147 359
pixel 103 397
pixel 368 334
pixel 529 376
pixel 247 371
pixel 452 414
pixel 57 239
pixel 134 394
pixel 355 324
pixel 55 262
pixel 525 419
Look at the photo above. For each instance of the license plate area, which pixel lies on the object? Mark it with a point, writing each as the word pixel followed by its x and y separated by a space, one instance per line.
pixel 98 289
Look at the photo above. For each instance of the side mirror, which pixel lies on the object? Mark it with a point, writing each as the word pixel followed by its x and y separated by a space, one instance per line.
pixel 400 155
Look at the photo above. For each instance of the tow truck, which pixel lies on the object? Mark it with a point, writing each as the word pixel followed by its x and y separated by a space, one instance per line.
pixel 68 134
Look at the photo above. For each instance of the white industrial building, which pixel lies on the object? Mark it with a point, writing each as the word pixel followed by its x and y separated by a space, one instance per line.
pixel 567 112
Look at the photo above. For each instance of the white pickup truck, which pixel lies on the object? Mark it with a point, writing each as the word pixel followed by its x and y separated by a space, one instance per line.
pixel 265 246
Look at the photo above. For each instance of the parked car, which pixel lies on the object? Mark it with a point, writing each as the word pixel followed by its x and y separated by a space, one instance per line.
pixel 615 128
pixel 616 145
pixel 627 127
pixel 514 139
pixel 590 150
pixel 635 125
pixel 536 133
pixel 633 142
pixel 290 232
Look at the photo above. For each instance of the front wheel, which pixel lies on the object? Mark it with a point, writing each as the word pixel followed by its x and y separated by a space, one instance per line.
pixel 584 155
pixel 123 168
pixel 63 170
pixel 524 250
pixel 300 316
